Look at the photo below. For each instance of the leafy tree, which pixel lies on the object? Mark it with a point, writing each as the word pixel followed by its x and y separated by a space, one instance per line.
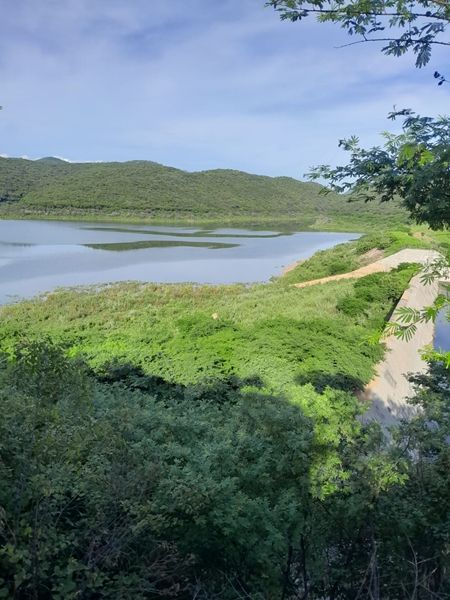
pixel 414 166
pixel 402 26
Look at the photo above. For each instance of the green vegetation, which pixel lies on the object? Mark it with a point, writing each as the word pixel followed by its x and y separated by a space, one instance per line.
pixel 375 288
pixel 170 330
pixel 352 255
pixel 179 440
pixel 202 442
pixel 412 166
pixel 140 190
pixel 184 333
pixel 123 485
pixel 397 26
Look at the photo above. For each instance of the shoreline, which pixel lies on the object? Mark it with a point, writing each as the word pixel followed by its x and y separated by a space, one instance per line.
pixel 288 268
pixel 255 222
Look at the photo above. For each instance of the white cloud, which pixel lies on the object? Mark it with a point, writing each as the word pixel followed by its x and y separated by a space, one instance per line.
pixel 218 84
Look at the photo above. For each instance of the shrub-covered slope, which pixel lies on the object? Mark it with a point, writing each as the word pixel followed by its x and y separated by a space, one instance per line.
pixel 150 190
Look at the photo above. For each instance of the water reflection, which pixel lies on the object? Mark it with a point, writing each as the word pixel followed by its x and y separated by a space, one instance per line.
pixel 442 325
pixel 197 234
pixel 124 246
pixel 442 332
pixel 38 256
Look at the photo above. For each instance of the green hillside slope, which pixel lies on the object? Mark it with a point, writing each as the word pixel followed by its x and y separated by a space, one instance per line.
pixel 142 189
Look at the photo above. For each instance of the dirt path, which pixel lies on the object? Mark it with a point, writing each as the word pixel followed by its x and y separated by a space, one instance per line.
pixel 408 255
pixel 388 391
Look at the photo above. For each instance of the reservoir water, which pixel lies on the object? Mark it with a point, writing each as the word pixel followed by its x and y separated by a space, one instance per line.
pixel 442 332
pixel 39 256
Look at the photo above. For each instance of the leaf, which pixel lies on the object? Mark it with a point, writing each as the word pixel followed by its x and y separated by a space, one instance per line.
pixel 406 333
pixel 405 314
pixel 426 157
pixel 407 153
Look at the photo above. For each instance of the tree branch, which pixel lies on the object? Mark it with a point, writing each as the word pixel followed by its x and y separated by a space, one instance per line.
pixel 417 41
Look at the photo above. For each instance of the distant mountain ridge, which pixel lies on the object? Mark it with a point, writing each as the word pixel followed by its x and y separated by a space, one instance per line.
pixel 144 189
pixel 51 160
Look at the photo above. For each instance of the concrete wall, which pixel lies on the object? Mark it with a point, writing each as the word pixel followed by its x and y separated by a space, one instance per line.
pixel 387 393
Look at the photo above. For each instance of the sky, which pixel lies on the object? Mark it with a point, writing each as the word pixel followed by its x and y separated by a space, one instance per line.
pixel 195 84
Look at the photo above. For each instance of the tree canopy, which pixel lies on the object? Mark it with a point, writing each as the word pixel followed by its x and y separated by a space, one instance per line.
pixel 414 165
pixel 400 25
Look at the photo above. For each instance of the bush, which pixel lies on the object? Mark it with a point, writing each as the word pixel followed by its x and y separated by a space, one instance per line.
pixel 378 288
pixel 119 494
pixel 374 240
pixel 351 305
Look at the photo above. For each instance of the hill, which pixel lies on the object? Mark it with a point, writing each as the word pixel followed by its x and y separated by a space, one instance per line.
pixel 141 189
pixel 52 160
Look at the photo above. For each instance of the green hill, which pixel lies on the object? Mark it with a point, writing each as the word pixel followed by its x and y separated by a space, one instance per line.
pixel 51 160
pixel 141 189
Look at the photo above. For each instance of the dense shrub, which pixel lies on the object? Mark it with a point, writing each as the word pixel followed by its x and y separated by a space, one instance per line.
pixel 111 492
pixel 118 494
pixel 377 288
pixel 380 241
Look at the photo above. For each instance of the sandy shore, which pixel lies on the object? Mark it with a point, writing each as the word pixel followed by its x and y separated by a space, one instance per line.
pixel 292 266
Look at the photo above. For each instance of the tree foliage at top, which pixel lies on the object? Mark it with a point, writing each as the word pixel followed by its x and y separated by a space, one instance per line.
pixel 414 166
pixel 401 25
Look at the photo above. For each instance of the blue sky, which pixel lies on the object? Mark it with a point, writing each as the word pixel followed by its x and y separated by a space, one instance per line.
pixel 195 84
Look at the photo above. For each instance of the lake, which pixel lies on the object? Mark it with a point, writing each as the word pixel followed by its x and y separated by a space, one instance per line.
pixel 39 256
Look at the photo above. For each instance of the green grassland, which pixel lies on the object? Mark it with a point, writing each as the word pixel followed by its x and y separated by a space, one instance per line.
pixel 142 191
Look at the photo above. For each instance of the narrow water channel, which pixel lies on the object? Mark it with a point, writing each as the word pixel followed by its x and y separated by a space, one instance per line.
pixel 442 332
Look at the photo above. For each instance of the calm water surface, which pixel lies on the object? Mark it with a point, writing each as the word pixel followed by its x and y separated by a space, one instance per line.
pixel 442 332
pixel 39 256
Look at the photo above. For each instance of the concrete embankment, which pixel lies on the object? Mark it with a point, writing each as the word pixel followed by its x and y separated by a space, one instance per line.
pixel 389 390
